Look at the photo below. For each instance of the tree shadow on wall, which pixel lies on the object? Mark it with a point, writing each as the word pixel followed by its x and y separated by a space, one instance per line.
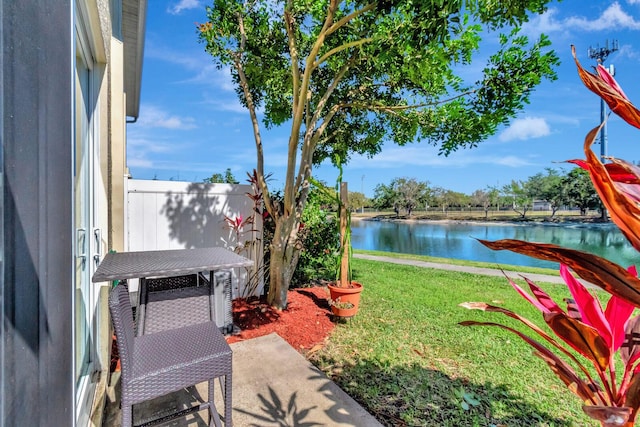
pixel 195 217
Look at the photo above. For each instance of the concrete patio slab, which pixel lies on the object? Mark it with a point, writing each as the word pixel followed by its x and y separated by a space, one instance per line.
pixel 273 385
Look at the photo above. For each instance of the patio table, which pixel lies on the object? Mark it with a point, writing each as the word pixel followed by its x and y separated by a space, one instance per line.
pixel 169 263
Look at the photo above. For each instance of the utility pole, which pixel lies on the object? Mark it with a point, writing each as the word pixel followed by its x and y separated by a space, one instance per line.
pixel 362 189
pixel 600 54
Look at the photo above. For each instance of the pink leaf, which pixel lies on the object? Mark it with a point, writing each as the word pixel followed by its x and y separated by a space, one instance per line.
pixel 543 297
pixel 618 312
pixel 528 297
pixel 608 79
pixel 588 305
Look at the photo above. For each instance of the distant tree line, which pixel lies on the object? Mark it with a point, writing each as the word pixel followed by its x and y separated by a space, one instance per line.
pixel 551 190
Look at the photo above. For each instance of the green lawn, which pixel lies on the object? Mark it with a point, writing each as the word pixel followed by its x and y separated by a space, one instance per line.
pixel 408 362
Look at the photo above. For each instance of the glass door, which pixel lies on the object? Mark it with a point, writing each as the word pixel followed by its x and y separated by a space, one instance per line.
pixel 84 242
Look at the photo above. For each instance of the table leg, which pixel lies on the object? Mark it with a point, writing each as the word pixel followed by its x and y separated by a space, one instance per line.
pixel 142 304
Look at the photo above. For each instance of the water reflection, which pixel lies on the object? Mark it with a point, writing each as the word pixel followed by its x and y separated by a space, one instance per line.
pixel 454 240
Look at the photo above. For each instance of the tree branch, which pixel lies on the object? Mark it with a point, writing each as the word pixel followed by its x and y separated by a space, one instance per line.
pixel 350 17
pixel 340 49
pixel 244 83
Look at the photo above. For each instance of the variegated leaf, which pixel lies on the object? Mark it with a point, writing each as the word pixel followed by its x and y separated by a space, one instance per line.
pixel 592 268
pixel 560 367
pixel 624 211
pixel 581 337
pixel 618 104
pixel 632 395
pixel 630 349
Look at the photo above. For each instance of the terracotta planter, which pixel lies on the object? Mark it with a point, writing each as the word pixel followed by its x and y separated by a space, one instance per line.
pixel 349 294
pixel 610 416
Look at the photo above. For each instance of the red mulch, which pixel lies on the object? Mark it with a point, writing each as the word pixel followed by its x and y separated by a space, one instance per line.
pixel 304 324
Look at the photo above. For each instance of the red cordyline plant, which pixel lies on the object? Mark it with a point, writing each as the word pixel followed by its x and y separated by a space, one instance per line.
pixel 599 336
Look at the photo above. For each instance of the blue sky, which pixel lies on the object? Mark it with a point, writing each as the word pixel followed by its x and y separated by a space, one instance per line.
pixel 192 125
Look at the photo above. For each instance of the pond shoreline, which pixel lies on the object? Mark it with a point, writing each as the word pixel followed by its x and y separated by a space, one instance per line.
pixel 573 222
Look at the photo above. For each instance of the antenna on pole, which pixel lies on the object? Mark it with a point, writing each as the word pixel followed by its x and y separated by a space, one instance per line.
pixel 600 54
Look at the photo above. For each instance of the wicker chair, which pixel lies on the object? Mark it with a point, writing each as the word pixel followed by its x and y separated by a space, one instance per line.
pixel 157 364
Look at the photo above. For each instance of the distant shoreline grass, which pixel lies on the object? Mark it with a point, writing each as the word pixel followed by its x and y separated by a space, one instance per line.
pixel 455 261
pixel 532 217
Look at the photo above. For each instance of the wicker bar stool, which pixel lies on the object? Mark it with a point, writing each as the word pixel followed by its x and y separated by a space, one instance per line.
pixel 157 364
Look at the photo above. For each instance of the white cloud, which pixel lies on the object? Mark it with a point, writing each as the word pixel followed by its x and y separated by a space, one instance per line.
pixel 205 71
pixel 527 128
pixel 154 117
pixel 612 18
pixel 139 163
pixel 546 23
pixel 177 8
pixel 627 50
pixel 423 155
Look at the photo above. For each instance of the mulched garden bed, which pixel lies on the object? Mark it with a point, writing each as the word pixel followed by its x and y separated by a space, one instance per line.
pixel 305 324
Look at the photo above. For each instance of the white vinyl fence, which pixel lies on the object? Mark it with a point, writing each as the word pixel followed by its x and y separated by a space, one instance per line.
pixel 180 215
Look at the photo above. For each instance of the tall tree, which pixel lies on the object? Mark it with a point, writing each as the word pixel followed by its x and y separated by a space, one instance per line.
pixel 580 190
pixel 486 198
pixel 521 195
pixel 347 75
pixel 550 187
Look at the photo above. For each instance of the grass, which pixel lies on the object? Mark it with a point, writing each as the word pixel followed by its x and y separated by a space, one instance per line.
pixel 408 362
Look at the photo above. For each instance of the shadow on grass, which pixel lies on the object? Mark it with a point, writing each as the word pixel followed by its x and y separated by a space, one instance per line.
pixel 415 396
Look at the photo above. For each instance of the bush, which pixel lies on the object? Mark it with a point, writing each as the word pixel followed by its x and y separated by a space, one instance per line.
pixel 319 241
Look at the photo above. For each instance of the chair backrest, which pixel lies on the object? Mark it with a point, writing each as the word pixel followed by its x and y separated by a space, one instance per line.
pixel 122 317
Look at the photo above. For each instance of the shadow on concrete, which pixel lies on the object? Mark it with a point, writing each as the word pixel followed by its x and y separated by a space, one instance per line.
pixel 274 412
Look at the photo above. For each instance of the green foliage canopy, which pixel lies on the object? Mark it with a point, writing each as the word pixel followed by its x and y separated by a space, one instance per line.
pixel 348 75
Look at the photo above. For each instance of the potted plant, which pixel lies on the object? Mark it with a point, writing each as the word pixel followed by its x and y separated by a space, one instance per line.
pixel 588 335
pixel 344 293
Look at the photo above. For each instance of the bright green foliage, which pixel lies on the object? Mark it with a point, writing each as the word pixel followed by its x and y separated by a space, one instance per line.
pixel 357 201
pixel 402 194
pixel 346 76
pixel 320 243
pixel 551 188
pixel 580 191
pixel 226 178
pixel 520 194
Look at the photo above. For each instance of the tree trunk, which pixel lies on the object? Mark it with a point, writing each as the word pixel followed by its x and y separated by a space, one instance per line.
pixel 282 262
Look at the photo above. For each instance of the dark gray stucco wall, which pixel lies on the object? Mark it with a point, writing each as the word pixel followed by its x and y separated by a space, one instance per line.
pixel 35 135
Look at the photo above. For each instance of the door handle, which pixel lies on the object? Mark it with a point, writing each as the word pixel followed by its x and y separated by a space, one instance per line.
pixel 81 244
pixel 97 234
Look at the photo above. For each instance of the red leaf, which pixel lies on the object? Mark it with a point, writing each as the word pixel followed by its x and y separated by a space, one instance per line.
pixel 630 349
pixel 581 337
pixel 608 79
pixel 617 313
pixel 544 307
pixel 578 386
pixel 624 211
pixel 588 305
pixel 618 171
pixel 618 104
pixel 592 268
pixel 543 297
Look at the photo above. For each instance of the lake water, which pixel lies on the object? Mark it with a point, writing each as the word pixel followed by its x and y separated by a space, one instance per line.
pixel 457 240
